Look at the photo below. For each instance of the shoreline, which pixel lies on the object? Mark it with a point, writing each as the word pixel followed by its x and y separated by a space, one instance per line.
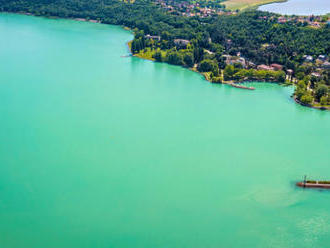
pixel 206 77
pixel 231 83
pixel 235 84
pixel 308 105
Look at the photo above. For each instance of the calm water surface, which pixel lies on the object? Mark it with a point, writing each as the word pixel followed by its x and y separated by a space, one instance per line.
pixel 299 7
pixel 99 151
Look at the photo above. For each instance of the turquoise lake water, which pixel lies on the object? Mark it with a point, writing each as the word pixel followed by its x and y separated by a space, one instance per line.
pixel 299 7
pixel 100 151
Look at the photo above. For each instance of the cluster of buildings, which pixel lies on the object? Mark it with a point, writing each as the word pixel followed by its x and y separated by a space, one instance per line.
pixel 238 59
pixel 152 37
pixel 181 43
pixel 87 20
pixel 320 63
pixel 272 67
pixel 231 60
pixel 192 8
pixel 312 21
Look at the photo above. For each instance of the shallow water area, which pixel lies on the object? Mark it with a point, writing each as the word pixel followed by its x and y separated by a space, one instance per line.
pixel 98 150
pixel 298 7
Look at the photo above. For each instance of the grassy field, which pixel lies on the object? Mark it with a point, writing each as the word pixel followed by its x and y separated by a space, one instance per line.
pixel 247 4
pixel 146 53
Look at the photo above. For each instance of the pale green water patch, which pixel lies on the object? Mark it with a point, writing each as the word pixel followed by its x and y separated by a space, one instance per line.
pixel 298 7
pixel 103 151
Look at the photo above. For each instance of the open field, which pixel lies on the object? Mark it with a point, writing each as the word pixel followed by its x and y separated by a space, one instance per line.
pixel 245 4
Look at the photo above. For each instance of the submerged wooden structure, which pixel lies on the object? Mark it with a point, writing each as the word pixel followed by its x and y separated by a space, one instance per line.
pixel 241 86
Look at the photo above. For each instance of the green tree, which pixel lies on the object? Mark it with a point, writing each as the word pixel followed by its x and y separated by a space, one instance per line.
pixel 280 76
pixel 228 72
pixel 261 75
pixel 307 98
pixel 221 60
pixel 321 90
pixel 300 75
pixel 240 75
pixel 207 65
pixel 189 59
pixel 166 35
pixel 133 47
pixel 324 100
pixel 198 54
pixel 301 84
pixel 139 34
pixel 174 58
pixel 158 56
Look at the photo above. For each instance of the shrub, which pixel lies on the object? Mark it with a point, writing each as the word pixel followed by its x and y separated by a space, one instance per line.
pixel 321 90
pixel 158 56
pixel 174 58
pixel 207 65
pixel 189 59
pixel 324 100
pixel 307 98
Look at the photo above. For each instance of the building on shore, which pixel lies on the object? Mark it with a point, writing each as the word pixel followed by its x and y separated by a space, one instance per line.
pixel 308 58
pixel 154 37
pixel 276 67
pixel 265 67
pixel 326 65
pixel 181 42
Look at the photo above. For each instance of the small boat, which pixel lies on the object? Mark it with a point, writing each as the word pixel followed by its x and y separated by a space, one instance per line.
pixel 314 184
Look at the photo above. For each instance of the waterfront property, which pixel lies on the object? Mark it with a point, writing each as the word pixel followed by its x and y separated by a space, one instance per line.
pixel 181 43
pixel 152 37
